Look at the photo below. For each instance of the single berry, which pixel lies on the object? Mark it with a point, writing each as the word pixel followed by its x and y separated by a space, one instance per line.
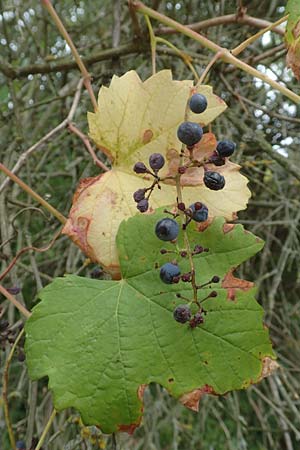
pixel 20 445
pixel 181 170
pixel 181 206
pixel 139 195
pixel 167 229
pixel 198 249
pixel 214 180
pixel 216 159
pixel 196 320
pixel 156 161
pixel 198 103
pixel 140 167
pixel 215 279
pixel 96 272
pixel 186 277
pixel 182 313
pixel 183 254
pixel 163 251
pixel 143 205
pixel 168 272
pixel 213 294
pixel 199 214
pixel 189 133
pixel 225 148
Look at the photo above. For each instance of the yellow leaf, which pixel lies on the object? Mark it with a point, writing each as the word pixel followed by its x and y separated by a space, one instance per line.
pixel 138 118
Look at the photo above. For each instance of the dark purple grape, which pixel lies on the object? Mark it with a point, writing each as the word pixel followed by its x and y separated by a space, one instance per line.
pixel 225 148
pixel 168 272
pixel 140 167
pixel 189 133
pixel 217 160
pixel 198 103
pixel 199 212
pixel 215 279
pixel 214 180
pixel 167 229
pixel 182 313
pixel 143 205
pixel 156 161
pixel 139 195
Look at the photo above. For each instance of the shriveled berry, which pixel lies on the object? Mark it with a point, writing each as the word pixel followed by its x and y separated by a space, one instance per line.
pixel 97 272
pixel 198 249
pixel 183 254
pixel 156 161
pixel 217 160
pixel 140 167
pixel 215 279
pixel 182 170
pixel 214 180
pixel 163 251
pixel 167 229
pixel 198 103
pixel 139 195
pixel 213 294
pixel 143 205
pixel 182 313
pixel 189 133
pixel 199 212
pixel 225 148
pixel 181 206
pixel 196 320
pixel 186 277
pixel 168 272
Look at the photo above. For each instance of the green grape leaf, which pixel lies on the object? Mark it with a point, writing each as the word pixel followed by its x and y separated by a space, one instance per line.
pixel 292 36
pixel 101 342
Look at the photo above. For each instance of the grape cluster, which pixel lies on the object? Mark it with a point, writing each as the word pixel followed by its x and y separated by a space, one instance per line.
pixel 167 229
pixel 141 196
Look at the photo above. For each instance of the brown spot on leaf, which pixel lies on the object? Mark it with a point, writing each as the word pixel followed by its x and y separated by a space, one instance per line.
pixel 201 226
pixel 227 227
pixel 128 428
pixel 141 390
pixel 231 283
pixel 191 399
pixel 147 136
pixel 269 366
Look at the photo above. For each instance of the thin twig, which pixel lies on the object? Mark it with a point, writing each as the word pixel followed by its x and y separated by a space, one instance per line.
pixel 226 54
pixel 22 159
pixel 34 195
pixel 46 429
pixel 5 390
pixel 87 143
pixel 224 20
pixel 13 300
pixel 67 37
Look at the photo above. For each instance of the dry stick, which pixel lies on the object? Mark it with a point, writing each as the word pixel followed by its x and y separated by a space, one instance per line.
pixel 237 50
pixel 225 20
pixel 87 143
pixel 13 300
pixel 62 125
pixel 47 428
pixel 33 194
pixel 226 54
pixel 67 37
pixel 26 249
pixel 5 391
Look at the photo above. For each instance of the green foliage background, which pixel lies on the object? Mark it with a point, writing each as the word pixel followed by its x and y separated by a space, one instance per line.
pixel 37 83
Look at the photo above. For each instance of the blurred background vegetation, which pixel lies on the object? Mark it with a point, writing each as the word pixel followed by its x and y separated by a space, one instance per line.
pixel 38 79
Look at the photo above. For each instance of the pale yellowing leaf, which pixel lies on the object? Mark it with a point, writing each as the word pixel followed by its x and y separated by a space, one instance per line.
pixel 138 118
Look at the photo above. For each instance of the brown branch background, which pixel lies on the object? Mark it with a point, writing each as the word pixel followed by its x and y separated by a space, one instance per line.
pixel 43 140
